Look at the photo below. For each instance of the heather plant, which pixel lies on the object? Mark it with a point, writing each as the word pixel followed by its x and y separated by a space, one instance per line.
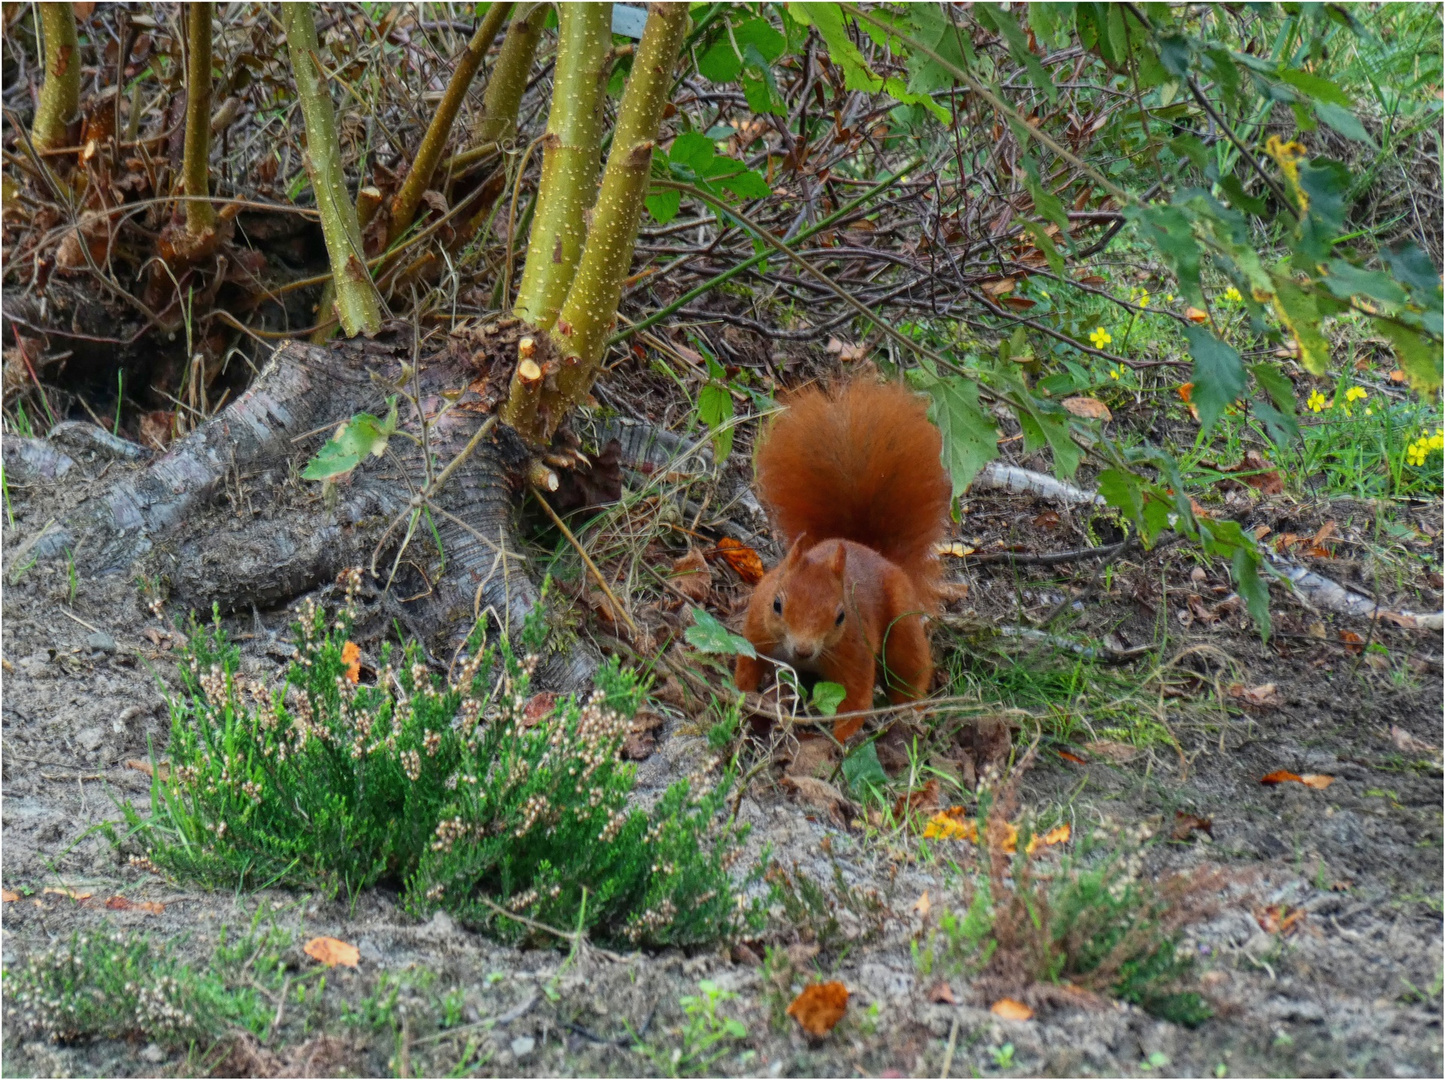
pixel 468 793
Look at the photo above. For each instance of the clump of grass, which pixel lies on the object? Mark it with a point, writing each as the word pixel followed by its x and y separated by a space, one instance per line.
pixel 110 985
pixel 508 810
pixel 1090 924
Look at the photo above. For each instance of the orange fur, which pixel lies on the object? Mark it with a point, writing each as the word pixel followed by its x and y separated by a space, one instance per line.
pixel 855 482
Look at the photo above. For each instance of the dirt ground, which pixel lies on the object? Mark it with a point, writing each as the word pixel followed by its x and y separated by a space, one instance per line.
pixel 1351 987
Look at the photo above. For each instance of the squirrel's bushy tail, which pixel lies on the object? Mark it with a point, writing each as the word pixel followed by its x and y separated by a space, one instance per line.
pixel 861 462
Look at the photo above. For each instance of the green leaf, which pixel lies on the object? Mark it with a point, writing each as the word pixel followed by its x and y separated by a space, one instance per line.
pixel 1279 417
pixel 762 36
pixel 828 18
pixel 694 150
pixel 664 204
pixel 1042 427
pixel 1345 122
pixel 1170 230
pixel 827 696
pixel 363 434
pixel 1245 568
pixel 715 409
pixel 746 185
pixel 998 18
pixel 1300 314
pixel 1218 375
pixel 1239 198
pixel 1418 355
pixel 1316 88
pixel 710 636
pixel 1346 280
pixel 1121 490
pixel 1045 243
pixel 1156 517
pixel 1413 268
pixel 1174 54
pixel 721 63
pixel 863 769
pixel 970 436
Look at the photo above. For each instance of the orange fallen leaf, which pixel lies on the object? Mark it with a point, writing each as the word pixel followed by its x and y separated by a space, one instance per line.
pixel 8 897
pixel 1059 834
pixel 1010 1009
pixel 923 905
pixel 1353 642
pixel 76 896
pixel 1072 757
pixel 120 903
pixel 950 824
pixel 1318 781
pixel 1279 919
pixel 819 1007
pixel 999 287
pixel 138 765
pixel 330 951
pixel 1185 391
pixel 691 576
pixel 746 562
pixel 1193 314
pixel 351 657
pixel 1397 375
pixel 1089 407
pixel 1018 303
pixel 924 798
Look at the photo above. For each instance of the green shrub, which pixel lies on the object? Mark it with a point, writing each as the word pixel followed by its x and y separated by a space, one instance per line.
pixel 1090 923
pixel 466 793
pixel 109 985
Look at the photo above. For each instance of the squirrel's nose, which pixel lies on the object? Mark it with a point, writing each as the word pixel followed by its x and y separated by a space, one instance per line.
pixel 805 651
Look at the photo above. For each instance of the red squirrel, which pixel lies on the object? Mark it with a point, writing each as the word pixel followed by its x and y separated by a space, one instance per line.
pixel 855 482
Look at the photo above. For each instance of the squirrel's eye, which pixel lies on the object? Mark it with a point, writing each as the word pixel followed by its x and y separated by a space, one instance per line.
pixel 839 620
pixel 778 605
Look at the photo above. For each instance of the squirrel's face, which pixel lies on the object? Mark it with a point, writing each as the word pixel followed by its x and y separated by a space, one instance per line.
pixel 807 616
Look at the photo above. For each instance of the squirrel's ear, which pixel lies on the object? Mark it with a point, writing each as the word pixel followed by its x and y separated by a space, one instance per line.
pixel 840 559
pixel 795 553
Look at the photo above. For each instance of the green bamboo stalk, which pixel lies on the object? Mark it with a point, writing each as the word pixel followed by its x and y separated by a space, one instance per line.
pixel 196 164
pixel 419 176
pixel 60 92
pixel 357 304
pixel 590 310
pixel 571 157
pixel 508 81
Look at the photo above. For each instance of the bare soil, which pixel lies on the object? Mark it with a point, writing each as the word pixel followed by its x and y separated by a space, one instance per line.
pixel 1353 988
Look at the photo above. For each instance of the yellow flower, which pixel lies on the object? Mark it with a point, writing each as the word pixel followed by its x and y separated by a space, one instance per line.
pixel 1354 394
pixel 1232 295
pixel 1169 298
pixel 1317 402
pixel 1416 453
pixel 1437 441
pixel 1100 337
pixel 1114 373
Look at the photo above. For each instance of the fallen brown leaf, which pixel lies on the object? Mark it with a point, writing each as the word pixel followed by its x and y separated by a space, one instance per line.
pixel 1407 742
pixel 145 767
pixel 1010 1009
pixel 1186 825
pixel 1195 315
pixel 998 287
pixel 1279 919
pixel 76 896
pixel 1257 472
pixel 1353 642
pixel 819 1007
pixel 691 576
pixel 120 903
pixel 331 951
pixel 942 994
pixel 1089 407
pixel 1072 757
pixel 746 562
pixel 1111 750
pixel 821 795
pixel 8 897
pixel 924 799
pixel 1318 781
pixel 923 905
pixel 539 706
pixel 1265 696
